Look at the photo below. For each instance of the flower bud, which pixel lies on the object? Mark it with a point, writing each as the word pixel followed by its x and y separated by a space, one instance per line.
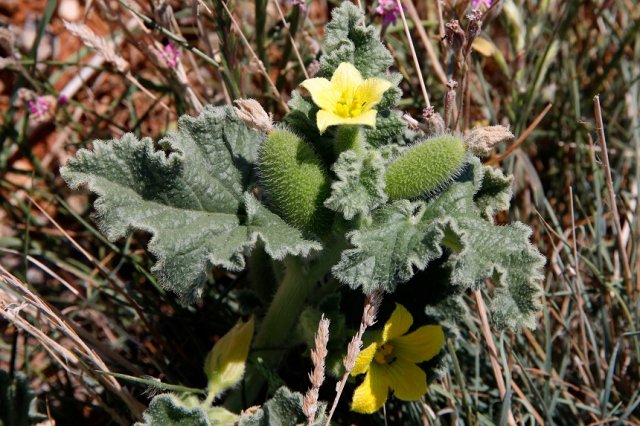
pixel 481 141
pixel 252 113
pixel 225 363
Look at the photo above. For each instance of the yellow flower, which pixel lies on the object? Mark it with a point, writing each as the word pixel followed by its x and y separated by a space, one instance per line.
pixel 225 363
pixel 390 362
pixel 347 98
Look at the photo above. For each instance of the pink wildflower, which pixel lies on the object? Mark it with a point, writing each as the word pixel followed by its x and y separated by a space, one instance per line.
pixel 389 11
pixel 38 107
pixel 476 4
pixel 171 55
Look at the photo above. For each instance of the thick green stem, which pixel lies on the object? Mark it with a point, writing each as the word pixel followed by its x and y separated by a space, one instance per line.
pixel 350 137
pixel 284 311
pixel 277 325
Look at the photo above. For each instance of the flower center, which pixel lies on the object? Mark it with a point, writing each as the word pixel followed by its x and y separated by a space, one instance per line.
pixel 384 354
pixel 346 107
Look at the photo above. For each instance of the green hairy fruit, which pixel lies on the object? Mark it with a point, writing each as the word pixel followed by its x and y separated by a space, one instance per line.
pixel 425 167
pixel 296 181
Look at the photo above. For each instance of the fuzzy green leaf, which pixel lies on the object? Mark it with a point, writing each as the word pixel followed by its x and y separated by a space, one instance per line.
pixel 359 187
pixel 349 41
pixel 284 409
pixel 504 254
pixel 390 128
pixel 495 193
pixel 190 196
pixel 303 119
pixel 168 410
pixel 387 250
pixel 407 235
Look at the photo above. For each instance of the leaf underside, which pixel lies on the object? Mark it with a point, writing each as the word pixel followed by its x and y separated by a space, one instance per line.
pixel 190 192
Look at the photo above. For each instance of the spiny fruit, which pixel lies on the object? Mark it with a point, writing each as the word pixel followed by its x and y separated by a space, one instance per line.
pixel 296 181
pixel 425 167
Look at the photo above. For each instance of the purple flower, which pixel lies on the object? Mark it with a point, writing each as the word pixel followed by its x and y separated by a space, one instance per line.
pixel 38 107
pixel 389 11
pixel 476 4
pixel 171 55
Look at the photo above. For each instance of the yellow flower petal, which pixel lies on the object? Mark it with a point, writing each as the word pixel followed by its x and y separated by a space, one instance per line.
pixel 346 78
pixel 407 380
pixel 321 92
pixel 364 359
pixel 224 365
pixel 367 118
pixel 420 345
pixel 327 118
pixel 370 396
pixel 369 92
pixel 398 324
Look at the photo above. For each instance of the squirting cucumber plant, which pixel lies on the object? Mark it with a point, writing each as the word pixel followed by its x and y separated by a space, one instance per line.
pixel 342 192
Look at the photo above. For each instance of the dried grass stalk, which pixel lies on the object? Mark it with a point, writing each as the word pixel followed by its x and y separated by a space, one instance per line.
pixel 369 313
pixel 318 356
pixel 99 44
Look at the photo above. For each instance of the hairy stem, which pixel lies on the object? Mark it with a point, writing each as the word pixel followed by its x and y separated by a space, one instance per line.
pixel 349 137
pixel 284 311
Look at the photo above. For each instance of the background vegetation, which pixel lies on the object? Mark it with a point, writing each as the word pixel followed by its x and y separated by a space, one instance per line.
pixel 74 303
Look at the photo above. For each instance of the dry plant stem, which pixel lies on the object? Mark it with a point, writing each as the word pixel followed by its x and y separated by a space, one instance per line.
pixel 144 90
pixel 118 286
pixel 263 70
pixel 467 104
pixel 48 271
pixel 182 42
pixel 291 39
pixel 433 58
pixel 493 353
pixel 443 40
pixel 624 259
pixel 371 305
pixel 414 55
pixel 80 355
pixel 522 137
pixel 104 48
pixel 576 282
pixel 527 403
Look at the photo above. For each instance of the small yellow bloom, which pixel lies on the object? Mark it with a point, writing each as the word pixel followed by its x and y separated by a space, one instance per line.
pixel 390 362
pixel 225 363
pixel 347 98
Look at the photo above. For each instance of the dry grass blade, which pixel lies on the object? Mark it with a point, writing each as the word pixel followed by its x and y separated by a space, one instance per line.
pixel 261 67
pixel 414 55
pixel 624 258
pixel 106 50
pixel 577 287
pixel 493 353
pixel 426 41
pixel 291 39
pixel 522 137
pixel 15 297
